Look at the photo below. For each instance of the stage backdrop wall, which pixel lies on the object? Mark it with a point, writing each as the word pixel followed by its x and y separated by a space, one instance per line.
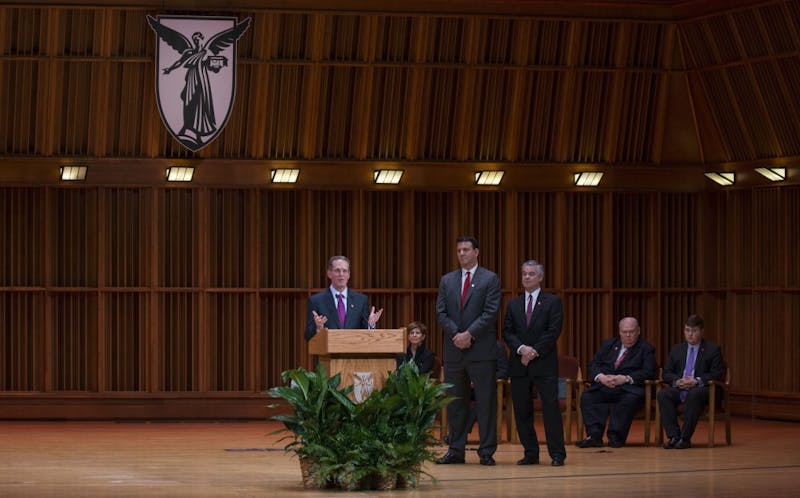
pixel 189 302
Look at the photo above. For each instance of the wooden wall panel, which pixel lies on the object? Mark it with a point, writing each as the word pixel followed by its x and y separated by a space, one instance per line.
pixel 126 357
pixel 635 227
pixel 230 342
pixel 281 336
pixel 73 341
pixel 679 243
pixel 22 331
pixel 231 219
pixel 539 238
pixel 435 231
pixel 22 216
pixel 279 229
pixel 127 241
pixel 335 229
pixel 219 306
pixel 585 241
pixel 178 237
pixel 73 237
pixel 178 342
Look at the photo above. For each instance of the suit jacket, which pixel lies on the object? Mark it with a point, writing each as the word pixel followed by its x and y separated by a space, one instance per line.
pixel 356 314
pixel 479 315
pixel 542 333
pixel 424 358
pixel 707 364
pixel 640 364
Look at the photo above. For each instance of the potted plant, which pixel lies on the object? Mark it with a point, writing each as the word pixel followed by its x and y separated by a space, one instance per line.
pixel 380 443
pixel 319 408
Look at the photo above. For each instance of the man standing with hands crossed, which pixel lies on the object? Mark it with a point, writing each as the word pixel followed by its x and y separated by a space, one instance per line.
pixel 466 309
pixel 531 329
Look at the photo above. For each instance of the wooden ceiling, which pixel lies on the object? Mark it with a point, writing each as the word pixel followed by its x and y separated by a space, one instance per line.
pixel 654 93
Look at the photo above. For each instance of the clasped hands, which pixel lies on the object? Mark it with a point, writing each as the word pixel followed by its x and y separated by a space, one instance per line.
pixel 686 383
pixel 612 380
pixel 462 340
pixel 527 354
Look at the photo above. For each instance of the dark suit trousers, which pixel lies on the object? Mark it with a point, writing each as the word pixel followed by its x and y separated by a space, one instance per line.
pixel 668 401
pixel 482 374
pixel 547 387
pixel 622 404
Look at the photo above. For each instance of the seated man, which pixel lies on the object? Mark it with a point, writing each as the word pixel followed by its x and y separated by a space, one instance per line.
pixel 617 372
pixel 690 366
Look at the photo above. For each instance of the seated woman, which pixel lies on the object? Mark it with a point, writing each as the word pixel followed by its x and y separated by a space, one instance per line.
pixel 416 351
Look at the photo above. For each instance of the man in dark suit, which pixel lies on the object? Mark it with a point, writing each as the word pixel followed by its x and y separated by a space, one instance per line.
pixel 617 373
pixel 338 307
pixel 466 309
pixel 689 368
pixel 531 329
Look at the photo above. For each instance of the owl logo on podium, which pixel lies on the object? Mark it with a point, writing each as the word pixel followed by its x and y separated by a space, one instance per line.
pixel 363 384
pixel 196 74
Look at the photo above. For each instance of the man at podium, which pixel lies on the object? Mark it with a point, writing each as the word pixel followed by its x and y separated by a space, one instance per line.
pixel 339 307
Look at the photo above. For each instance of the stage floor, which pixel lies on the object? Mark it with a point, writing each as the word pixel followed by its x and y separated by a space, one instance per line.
pixel 147 459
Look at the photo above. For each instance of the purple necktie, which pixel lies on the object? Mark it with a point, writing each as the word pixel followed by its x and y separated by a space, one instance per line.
pixel 688 371
pixel 340 309
pixel 529 310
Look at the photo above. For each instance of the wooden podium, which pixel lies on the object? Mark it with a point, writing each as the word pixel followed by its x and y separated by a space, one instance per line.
pixel 363 357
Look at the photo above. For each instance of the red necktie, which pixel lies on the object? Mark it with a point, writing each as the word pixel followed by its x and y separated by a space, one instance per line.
pixel 464 290
pixel 622 357
pixel 529 311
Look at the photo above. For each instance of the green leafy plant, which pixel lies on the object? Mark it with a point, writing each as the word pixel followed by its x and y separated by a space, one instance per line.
pixel 385 439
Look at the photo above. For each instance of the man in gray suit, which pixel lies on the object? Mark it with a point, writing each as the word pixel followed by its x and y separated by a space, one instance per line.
pixel 466 309
pixel 339 307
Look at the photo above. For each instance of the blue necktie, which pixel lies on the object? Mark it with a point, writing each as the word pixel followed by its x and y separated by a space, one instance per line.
pixel 687 371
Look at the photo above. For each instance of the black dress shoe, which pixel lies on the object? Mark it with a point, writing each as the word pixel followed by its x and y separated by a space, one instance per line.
pixel 449 458
pixel 671 442
pixel 590 442
pixel 615 444
pixel 528 460
pixel 682 444
pixel 557 462
pixel 487 460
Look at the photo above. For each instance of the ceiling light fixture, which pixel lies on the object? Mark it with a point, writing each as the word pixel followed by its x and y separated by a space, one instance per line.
pixel 390 176
pixel 284 175
pixel 587 178
pixel 179 174
pixel 724 179
pixel 73 173
pixel 773 174
pixel 492 177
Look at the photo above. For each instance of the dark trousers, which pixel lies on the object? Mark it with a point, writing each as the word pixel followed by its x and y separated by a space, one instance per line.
pixel 668 401
pixel 521 395
pixel 481 374
pixel 615 404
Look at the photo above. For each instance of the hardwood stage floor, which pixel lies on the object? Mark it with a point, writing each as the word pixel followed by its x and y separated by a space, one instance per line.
pixel 177 459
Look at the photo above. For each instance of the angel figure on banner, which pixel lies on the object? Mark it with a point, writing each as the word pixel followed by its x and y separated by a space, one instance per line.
pixel 198 58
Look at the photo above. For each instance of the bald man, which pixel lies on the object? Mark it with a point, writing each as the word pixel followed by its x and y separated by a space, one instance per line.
pixel 617 373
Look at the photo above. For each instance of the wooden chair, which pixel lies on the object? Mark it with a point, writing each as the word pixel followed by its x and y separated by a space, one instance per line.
pixel 718 408
pixel 569 373
pixel 645 413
